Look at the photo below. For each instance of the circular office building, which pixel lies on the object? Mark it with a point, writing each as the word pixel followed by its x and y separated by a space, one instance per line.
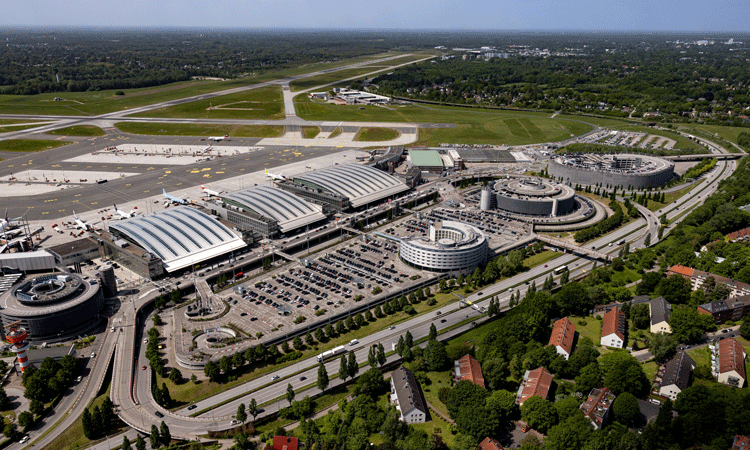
pixel 451 247
pixel 534 197
pixel 622 170
pixel 53 307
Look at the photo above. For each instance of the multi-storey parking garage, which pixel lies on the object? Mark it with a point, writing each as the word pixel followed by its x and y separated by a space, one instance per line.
pixel 534 196
pixel 450 247
pixel 180 237
pixel 623 170
pixel 53 307
pixel 343 186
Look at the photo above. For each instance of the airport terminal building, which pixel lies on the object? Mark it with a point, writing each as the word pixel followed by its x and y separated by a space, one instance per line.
pixel 345 186
pixel 266 211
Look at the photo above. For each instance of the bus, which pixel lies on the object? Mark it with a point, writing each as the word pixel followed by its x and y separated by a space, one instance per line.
pixel 560 270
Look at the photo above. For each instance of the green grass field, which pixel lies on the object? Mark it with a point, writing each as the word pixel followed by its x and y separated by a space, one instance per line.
pixel 190 129
pixel 728 133
pixel 310 132
pixel 437 380
pixel 329 78
pixel 261 103
pixel 376 134
pixel 335 132
pixel 79 130
pixel 30 145
pixel 474 126
pixel 9 128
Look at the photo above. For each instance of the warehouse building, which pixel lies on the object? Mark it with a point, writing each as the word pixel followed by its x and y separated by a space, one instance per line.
pixel 266 211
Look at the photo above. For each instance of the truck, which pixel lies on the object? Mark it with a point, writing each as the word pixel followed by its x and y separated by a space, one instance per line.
pixel 331 353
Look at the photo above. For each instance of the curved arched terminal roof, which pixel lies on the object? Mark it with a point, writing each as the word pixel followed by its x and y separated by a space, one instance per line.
pixel 362 184
pixel 284 207
pixel 180 236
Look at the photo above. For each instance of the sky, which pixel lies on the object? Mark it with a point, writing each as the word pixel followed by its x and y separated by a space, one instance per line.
pixel 501 15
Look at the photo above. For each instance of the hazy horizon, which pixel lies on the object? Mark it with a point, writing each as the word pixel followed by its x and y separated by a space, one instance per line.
pixel 575 16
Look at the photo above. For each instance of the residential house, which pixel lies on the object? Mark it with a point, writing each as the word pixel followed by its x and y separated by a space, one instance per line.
pixel 563 336
pixel 468 368
pixel 729 363
pixel 490 444
pixel 738 236
pixel 676 375
pixel 729 309
pixel 698 277
pixel 741 442
pixel 614 327
pixel 408 397
pixel 285 443
pixel 660 311
pixel 535 382
pixel 597 406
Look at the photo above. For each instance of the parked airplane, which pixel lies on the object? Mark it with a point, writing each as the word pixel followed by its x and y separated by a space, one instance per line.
pixel 275 177
pixel 173 199
pixel 80 224
pixel 210 191
pixel 219 138
pixel 123 214
pixel 5 225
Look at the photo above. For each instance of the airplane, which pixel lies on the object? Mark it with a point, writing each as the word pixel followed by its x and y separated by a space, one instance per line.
pixel 275 177
pixel 219 138
pixel 5 225
pixel 80 224
pixel 173 199
pixel 123 214
pixel 210 191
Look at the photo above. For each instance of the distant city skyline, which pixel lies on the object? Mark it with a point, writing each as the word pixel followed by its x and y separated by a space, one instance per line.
pixel 720 16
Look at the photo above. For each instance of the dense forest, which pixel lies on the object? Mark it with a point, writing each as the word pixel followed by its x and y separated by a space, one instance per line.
pixel 36 61
pixel 667 81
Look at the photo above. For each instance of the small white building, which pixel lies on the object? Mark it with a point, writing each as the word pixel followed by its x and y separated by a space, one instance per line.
pixel 614 327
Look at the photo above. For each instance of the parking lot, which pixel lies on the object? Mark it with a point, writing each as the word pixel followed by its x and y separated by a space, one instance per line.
pixel 307 292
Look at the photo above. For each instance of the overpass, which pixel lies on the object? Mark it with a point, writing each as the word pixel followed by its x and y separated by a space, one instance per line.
pixel 590 252
pixel 720 156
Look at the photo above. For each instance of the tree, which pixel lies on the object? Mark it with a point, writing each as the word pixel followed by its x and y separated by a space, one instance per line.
pixel 590 377
pixel 252 408
pixel 435 357
pixel 36 407
pixel 495 371
pixel 241 414
pixel 688 325
pixel 352 368
pixel 340 327
pixel 359 320
pixel 10 430
pixel 166 398
pixel 140 443
pixel 433 332
pixel 87 424
pixel 175 376
pixel 25 419
pixel 297 343
pixel 745 328
pixel 571 433
pixel 212 370
pixel 381 355
pixel 164 434
pixel 322 381
pixel 573 299
pixel 674 289
pixel 539 413
pixel 400 346
pixel 503 404
pixel 662 346
pixel 309 339
pixel 319 336
pixel 626 409
pixel 372 357
pixel 284 347
pixel 125 443
pixel 623 373
pixel 330 332
pixel 289 393
pixel 409 340
pixel 343 369
pixel 155 438
pixel 393 428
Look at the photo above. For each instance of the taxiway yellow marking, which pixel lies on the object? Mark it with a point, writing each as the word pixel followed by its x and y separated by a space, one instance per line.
pixel 167 171
pixel 78 195
pixel 208 175
pixel 219 172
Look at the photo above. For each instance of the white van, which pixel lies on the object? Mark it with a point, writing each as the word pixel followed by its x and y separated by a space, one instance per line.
pixel 353 342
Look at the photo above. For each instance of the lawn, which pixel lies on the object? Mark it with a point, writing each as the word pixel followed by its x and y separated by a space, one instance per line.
pixel 262 103
pixel 73 436
pixel 335 132
pixel 376 134
pixel 9 128
pixel 310 132
pixel 437 380
pixel 728 133
pixel 332 397
pixel 200 130
pixel 701 356
pixel 437 425
pixel 473 126
pixel 650 368
pixel 30 145
pixel 79 130
pixel 540 258
pixel 589 327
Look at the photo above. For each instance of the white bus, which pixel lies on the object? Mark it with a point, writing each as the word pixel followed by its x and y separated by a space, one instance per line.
pixel 560 270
